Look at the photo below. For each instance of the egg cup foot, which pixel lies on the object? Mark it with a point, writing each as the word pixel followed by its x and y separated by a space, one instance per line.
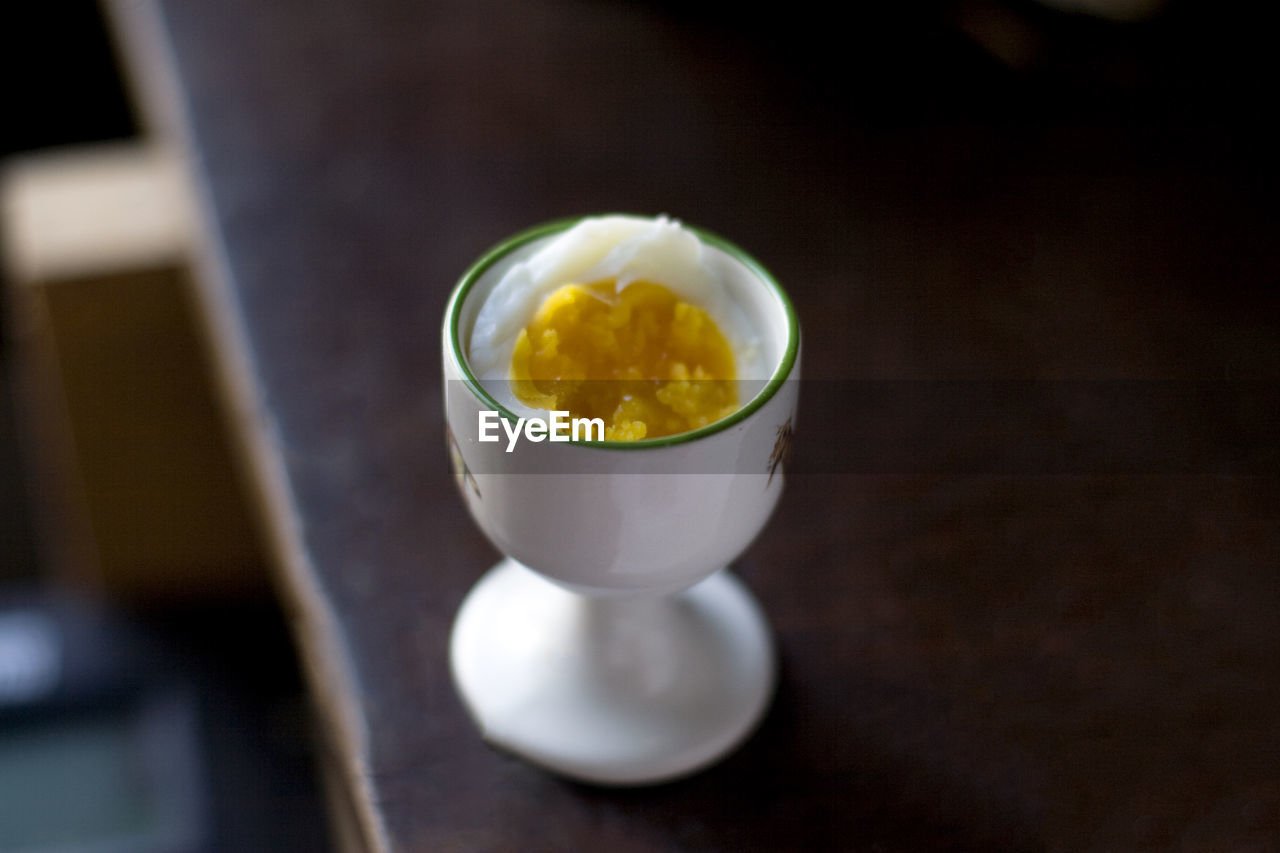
pixel 612 691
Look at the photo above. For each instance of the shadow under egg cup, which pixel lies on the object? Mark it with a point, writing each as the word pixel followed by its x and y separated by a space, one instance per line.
pixel 612 645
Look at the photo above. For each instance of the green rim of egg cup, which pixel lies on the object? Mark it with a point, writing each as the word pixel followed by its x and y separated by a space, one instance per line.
pixel 506 247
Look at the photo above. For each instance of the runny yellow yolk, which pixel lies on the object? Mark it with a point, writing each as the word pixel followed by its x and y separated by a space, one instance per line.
pixel 642 360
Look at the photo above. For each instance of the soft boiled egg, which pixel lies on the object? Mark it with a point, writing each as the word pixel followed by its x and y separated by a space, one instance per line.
pixel 622 318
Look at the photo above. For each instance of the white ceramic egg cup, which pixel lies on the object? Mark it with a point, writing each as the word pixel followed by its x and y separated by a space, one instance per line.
pixel 612 645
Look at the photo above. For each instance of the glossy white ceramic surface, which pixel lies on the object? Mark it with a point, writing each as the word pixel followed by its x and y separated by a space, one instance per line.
pixel 613 691
pixel 612 517
pixel 612 645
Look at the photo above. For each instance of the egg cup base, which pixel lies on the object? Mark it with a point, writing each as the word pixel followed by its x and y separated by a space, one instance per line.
pixel 612 691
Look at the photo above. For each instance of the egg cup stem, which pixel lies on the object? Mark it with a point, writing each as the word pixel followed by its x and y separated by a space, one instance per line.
pixel 612 691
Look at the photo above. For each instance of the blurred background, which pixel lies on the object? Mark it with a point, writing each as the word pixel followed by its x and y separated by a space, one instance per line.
pixel 95 109
pixel 150 697
pixel 191 622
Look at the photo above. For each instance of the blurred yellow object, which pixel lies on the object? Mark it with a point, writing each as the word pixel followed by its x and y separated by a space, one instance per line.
pixel 137 490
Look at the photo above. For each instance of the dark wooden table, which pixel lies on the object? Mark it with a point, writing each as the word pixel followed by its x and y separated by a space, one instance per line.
pixel 1025 578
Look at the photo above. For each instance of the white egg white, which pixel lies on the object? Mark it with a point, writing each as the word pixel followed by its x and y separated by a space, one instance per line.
pixel 621 248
